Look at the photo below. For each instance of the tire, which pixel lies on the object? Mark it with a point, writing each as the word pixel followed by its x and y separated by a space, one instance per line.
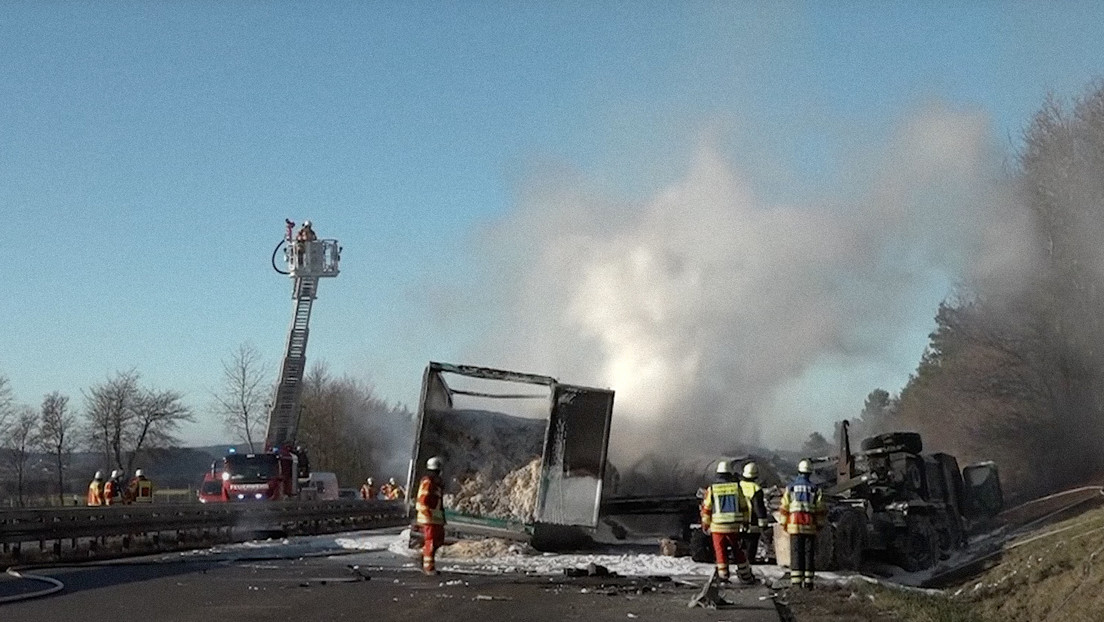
pixel 918 546
pixel 849 541
pixel 909 441
pixel 701 546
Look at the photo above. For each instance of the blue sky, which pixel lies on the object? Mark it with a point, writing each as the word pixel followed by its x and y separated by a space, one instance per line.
pixel 149 152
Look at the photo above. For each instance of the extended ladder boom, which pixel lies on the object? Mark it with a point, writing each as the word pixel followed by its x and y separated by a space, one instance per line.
pixel 308 261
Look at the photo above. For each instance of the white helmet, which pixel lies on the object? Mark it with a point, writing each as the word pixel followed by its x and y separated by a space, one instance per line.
pixel 138 473
pixel 391 481
pixel 98 475
pixel 723 467
pixel 805 467
pixel 306 223
pixel 751 471
pixel 433 464
pixel 370 481
pixel 115 474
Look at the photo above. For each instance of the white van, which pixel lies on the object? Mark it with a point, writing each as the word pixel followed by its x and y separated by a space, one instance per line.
pixel 324 485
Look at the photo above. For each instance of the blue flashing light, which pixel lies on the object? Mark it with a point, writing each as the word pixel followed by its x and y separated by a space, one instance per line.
pixel 232 451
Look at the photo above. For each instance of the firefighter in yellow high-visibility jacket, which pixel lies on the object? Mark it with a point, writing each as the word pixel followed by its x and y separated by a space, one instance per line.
pixel 756 518
pixel 96 490
pixel 723 512
pixel 803 514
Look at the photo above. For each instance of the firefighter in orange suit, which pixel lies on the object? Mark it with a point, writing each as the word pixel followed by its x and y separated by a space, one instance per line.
pixel 723 512
pixel 96 489
pixel 368 490
pixel 431 513
pixel 803 513
pixel 112 490
pixel 139 489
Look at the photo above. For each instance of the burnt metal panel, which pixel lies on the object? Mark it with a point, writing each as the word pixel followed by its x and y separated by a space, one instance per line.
pixel 575 456
pixel 490 373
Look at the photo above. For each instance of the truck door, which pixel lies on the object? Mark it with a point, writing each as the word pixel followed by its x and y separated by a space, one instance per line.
pixel 575 456
pixel 984 498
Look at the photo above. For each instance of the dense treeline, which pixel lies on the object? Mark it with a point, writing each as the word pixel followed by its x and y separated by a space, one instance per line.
pixel 1014 371
pixel 351 431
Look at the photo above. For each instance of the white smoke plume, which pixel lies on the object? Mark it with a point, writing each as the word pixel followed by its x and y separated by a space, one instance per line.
pixel 721 317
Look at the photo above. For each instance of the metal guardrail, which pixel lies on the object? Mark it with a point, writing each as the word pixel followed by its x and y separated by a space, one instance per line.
pixel 65 523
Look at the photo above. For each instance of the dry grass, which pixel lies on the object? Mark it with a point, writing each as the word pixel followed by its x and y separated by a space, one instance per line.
pixel 1056 573
pixel 869 603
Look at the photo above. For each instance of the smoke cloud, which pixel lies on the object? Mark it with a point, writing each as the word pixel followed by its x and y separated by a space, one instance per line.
pixel 721 317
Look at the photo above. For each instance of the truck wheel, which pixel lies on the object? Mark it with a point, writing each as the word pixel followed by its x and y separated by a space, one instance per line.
pixel 910 442
pixel 849 540
pixel 919 545
pixel 701 546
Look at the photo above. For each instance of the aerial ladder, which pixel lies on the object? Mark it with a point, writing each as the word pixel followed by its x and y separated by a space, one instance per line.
pixel 308 261
pixel 283 468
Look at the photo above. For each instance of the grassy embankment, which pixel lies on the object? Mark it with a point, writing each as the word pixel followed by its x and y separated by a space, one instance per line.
pixel 1055 573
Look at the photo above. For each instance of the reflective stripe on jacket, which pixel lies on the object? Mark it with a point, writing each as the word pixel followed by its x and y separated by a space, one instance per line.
pixel 723 508
pixel 109 492
pixel 802 507
pixel 431 503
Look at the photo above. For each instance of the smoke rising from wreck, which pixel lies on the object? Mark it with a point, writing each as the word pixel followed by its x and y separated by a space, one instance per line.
pixel 722 317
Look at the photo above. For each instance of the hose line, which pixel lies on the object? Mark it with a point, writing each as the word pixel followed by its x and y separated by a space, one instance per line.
pixel 274 251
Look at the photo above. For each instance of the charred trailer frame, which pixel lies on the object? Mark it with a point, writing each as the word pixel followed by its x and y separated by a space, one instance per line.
pixel 572 449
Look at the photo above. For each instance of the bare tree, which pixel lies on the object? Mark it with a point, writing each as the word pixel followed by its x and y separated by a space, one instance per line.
pixel 123 418
pixel 57 428
pixel 110 413
pixel 157 418
pixel 19 441
pixel 240 401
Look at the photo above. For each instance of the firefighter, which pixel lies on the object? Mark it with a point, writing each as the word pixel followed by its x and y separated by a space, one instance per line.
pixel 756 518
pixel 803 514
pixel 306 234
pixel 140 488
pixel 392 491
pixel 113 489
pixel 431 514
pixel 96 489
pixel 723 512
pixel 368 490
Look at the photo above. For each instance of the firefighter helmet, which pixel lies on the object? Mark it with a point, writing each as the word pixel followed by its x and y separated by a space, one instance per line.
pixel 805 467
pixel 115 474
pixel 138 473
pixel 723 467
pixel 751 471
pixel 433 464
pixel 98 475
pixel 370 481
pixel 307 224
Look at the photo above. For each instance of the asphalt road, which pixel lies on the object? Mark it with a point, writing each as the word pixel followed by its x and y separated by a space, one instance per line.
pixel 258 587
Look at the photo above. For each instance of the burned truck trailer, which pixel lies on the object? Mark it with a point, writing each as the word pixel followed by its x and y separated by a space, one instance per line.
pixel 524 455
